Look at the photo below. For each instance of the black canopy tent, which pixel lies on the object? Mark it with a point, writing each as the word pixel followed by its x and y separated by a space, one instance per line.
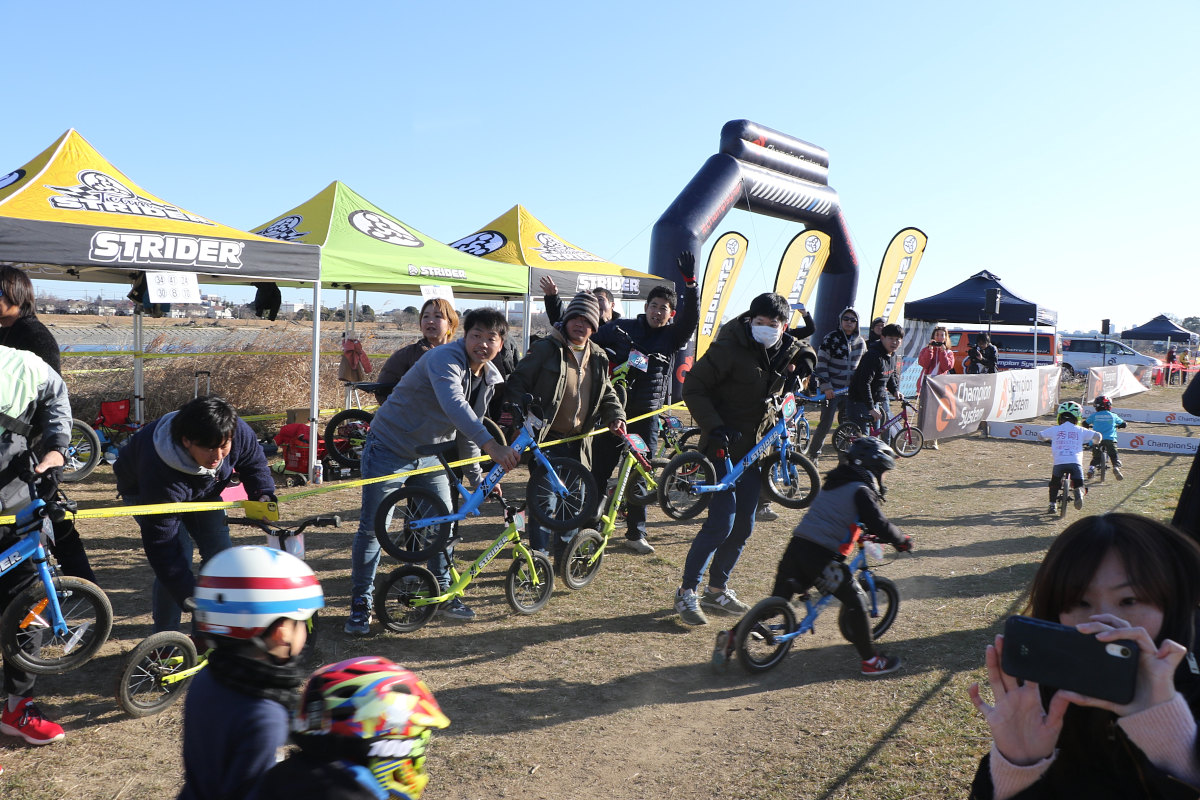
pixel 964 303
pixel 1159 328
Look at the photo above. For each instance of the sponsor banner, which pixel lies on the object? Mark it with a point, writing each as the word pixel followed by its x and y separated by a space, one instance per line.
pixel 800 267
pixel 896 273
pixel 1133 442
pixel 1157 417
pixel 724 263
pixel 1115 381
pixel 954 405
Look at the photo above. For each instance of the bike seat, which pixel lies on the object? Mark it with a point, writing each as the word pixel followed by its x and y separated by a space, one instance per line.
pixel 437 448
pixel 370 386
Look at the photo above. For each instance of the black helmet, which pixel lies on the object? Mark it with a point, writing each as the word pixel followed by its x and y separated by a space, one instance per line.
pixel 873 454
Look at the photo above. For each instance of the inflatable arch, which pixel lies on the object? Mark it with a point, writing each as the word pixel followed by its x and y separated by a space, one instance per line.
pixel 764 172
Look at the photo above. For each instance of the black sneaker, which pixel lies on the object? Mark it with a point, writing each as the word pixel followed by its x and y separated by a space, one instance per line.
pixel 880 665
pixel 456 609
pixel 359 623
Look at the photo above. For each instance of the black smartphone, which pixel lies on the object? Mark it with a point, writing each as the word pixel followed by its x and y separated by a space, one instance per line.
pixel 1061 657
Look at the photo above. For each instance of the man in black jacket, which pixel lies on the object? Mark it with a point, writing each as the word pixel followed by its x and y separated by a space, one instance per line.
pixel 656 332
pixel 876 378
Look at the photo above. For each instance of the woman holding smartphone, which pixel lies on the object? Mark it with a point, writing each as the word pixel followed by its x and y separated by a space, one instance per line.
pixel 1116 576
pixel 935 358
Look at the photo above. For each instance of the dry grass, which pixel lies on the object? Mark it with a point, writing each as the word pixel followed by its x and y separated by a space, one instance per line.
pixel 605 694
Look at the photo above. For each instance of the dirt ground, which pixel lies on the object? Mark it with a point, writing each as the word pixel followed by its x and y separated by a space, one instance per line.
pixel 605 694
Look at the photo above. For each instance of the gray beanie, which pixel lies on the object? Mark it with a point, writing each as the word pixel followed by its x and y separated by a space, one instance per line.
pixel 584 305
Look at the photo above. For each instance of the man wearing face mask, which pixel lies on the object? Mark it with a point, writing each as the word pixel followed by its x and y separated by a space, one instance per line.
pixel 726 392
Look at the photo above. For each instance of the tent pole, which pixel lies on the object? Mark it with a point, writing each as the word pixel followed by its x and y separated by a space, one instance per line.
pixel 527 323
pixel 138 376
pixel 315 389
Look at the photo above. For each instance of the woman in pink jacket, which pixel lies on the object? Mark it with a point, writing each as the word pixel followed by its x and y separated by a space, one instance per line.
pixel 935 358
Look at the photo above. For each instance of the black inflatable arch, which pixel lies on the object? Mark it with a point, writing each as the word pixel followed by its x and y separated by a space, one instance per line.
pixel 765 172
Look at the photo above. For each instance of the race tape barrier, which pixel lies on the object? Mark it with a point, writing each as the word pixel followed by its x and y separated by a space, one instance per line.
pixel 1133 442
pixel 183 508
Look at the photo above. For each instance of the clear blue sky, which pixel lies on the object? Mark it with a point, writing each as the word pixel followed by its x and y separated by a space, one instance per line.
pixel 1051 143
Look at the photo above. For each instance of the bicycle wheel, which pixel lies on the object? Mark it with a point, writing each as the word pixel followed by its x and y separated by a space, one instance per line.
pixel 800 434
pixel 576 567
pixel 689 439
pixel 27 632
pixel 393 598
pixel 908 442
pixel 756 637
pixel 845 435
pixel 141 691
pixel 887 605
pixel 83 452
pixel 1103 463
pixel 1064 496
pixel 524 595
pixel 346 434
pixel 560 514
pixel 395 528
pixel 639 492
pixel 681 473
pixel 792 484
pixel 622 393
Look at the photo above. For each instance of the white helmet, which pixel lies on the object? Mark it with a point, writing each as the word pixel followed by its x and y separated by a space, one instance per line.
pixel 243 590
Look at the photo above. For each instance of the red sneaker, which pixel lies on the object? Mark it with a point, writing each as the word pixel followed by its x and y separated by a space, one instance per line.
pixel 880 665
pixel 28 723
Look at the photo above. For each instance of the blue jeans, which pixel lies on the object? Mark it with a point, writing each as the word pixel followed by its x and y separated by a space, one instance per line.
pixel 205 529
pixel 378 461
pixel 723 535
pixel 539 537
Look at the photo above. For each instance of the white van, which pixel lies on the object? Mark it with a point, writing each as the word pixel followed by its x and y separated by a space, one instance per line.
pixel 1081 353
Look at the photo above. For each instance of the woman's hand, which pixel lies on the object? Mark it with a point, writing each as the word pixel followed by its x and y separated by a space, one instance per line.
pixel 1156 666
pixel 1023 732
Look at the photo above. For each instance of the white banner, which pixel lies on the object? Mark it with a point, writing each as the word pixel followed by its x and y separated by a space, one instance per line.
pixel 1157 417
pixel 1134 442
pixel 1115 381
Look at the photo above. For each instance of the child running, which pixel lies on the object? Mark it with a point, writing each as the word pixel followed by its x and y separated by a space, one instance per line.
pixel 816 555
pixel 1105 422
pixel 1067 439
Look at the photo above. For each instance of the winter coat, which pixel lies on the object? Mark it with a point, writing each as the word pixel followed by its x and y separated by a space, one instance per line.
pixel 837 358
pixel 400 362
pixel 729 385
pixel 28 333
pixel 648 390
pixel 844 501
pixel 934 361
pixel 554 309
pixel 876 376
pixel 32 393
pixel 1187 511
pixel 542 373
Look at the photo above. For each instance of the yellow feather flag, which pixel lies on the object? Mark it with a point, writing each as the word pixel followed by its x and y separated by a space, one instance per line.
pixel 800 267
pixel 896 272
pixel 724 263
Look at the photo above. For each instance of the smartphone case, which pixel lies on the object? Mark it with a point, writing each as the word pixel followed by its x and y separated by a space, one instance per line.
pixel 1061 657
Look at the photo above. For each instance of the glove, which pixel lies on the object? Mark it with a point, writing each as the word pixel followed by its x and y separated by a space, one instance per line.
pixel 724 432
pixel 830 578
pixel 687 266
pixel 189 605
pixel 905 545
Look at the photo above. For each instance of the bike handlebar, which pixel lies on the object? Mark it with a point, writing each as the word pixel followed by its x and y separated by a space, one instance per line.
pixel 297 527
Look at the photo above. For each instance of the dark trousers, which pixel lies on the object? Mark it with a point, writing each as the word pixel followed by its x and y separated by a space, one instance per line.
pixel 1110 447
pixel 17 682
pixel 1076 473
pixel 539 537
pixel 606 455
pixel 802 562
pixel 837 407
pixel 68 551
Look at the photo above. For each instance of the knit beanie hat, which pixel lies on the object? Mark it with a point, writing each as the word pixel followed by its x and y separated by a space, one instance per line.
pixel 584 305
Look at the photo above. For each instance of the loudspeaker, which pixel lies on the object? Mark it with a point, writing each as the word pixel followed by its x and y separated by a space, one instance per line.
pixel 1105 327
pixel 992 303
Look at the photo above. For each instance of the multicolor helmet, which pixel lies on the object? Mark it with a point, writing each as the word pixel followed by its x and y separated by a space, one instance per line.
pixel 1103 403
pixel 374 712
pixel 243 590
pixel 1072 408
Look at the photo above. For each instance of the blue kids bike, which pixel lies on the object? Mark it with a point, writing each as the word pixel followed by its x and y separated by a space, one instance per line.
pixel 413 524
pixel 688 482
pixel 59 622
pixel 764 635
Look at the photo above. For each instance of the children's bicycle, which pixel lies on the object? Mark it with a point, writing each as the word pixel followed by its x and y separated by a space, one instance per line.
pixel 158 670
pixel 583 555
pixel 83 452
pixel 907 441
pixel 59 622
pixel 410 595
pixel 799 431
pixel 674 437
pixel 764 635
pixel 413 523
pixel 688 482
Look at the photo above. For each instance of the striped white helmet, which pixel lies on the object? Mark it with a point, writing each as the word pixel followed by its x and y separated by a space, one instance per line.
pixel 243 590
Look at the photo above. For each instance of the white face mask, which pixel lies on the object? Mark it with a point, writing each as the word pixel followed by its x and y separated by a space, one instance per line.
pixel 766 335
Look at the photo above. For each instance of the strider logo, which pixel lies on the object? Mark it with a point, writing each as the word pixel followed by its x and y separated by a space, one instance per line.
pixel 11 178
pixel 910 244
pixel 380 227
pixel 284 229
pixel 100 192
pixel 482 243
pixel 554 250
pixel 392 748
pixel 157 248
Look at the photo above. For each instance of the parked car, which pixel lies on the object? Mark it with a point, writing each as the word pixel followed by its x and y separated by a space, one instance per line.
pixel 1080 353
pixel 1014 349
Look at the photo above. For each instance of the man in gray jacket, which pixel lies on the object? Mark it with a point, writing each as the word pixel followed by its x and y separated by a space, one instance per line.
pixel 837 358
pixel 447 391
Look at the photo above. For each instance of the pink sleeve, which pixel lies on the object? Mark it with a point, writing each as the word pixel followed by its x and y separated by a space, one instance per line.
pixel 1008 779
pixel 1166 733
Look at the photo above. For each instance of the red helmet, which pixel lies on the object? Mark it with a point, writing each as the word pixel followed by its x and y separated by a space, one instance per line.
pixel 1103 403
